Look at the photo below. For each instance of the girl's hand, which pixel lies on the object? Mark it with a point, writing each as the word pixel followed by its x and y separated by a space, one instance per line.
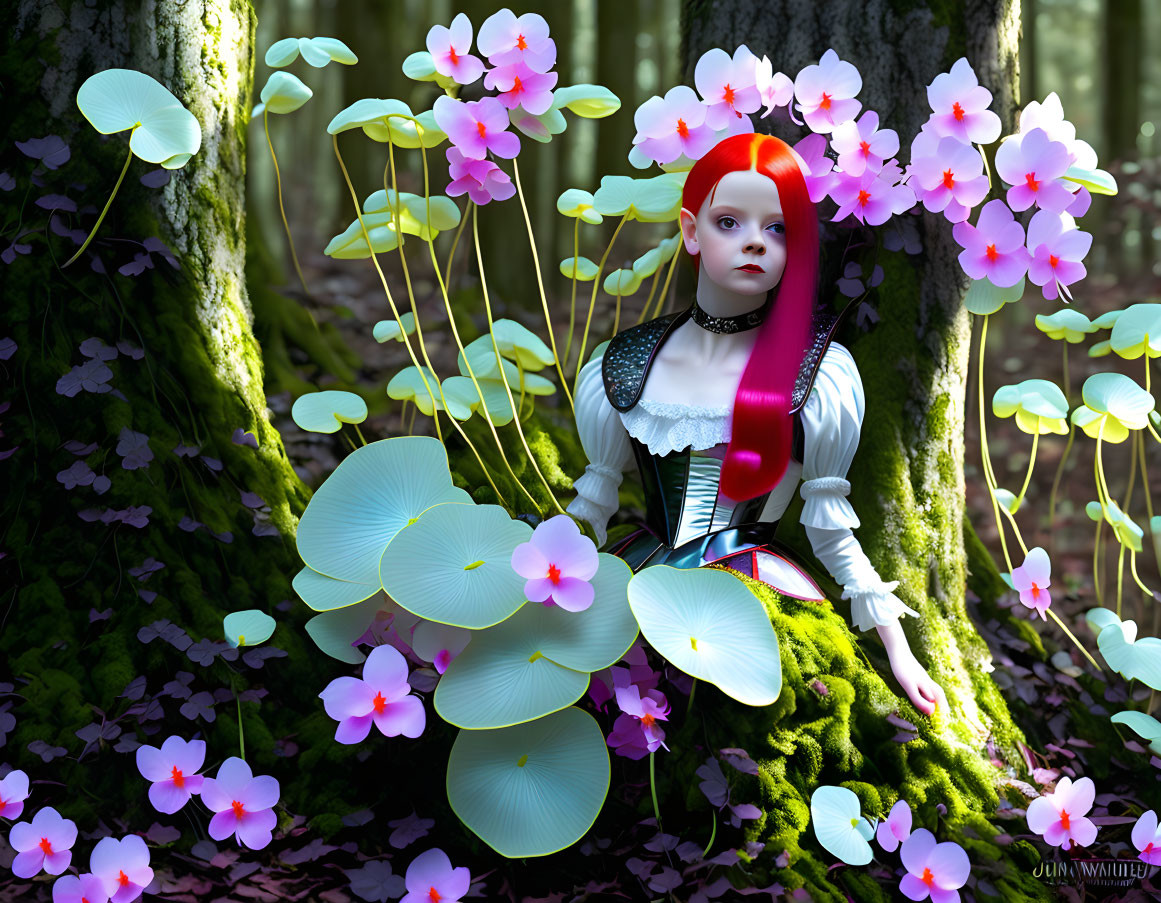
pixel 924 693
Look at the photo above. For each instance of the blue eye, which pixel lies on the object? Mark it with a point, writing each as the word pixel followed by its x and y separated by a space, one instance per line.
pixel 777 228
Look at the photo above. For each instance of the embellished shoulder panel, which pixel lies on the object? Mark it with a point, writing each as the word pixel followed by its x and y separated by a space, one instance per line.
pixel 627 359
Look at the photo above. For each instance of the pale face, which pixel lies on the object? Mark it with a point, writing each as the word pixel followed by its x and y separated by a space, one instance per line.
pixel 739 233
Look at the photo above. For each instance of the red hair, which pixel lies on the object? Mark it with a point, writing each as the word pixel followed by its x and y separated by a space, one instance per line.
pixel 763 431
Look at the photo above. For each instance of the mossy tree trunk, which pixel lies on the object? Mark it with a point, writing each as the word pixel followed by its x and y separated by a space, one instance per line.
pixel 907 478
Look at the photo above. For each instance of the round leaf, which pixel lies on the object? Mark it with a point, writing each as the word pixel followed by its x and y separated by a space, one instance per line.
pixel 326 412
pixel 587 101
pixel 1068 324
pixel 334 631
pixel 323 593
pixel 1137 331
pixel 520 344
pixel 385 330
pixel 284 92
pixel 114 100
pixel 984 297
pixel 583 269
pixel 282 53
pixel 835 816
pixel 248 628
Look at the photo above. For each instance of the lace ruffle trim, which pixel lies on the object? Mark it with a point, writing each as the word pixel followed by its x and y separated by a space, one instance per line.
pixel 669 426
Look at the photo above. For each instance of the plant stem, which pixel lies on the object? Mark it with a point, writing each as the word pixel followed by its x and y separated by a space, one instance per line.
pixel 989 476
pixel 689 703
pixel 653 790
pixel 580 362
pixel 1031 464
pixel 1059 474
pixel 665 287
pixel 108 204
pixel 1071 636
pixel 281 209
pixel 455 243
pixel 572 302
pixel 713 833
pixel 241 733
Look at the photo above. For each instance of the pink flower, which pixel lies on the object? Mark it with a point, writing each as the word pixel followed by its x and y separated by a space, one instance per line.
pixel 243 804
pixel 639 672
pixel 122 867
pixel 1060 816
pixel 88 888
pixel 673 125
pixel 727 86
pixel 45 843
pixel 1032 165
pixel 861 146
pixel 817 167
pixel 13 793
pixel 477 127
pixel 482 180
pixel 521 86
pixel 449 51
pixel 1032 579
pixel 895 828
pixel 935 870
pixel 505 39
pixel 826 92
pixel 994 247
pixel 381 697
pixel 439 643
pixel 872 197
pixel 431 878
pixel 949 173
pixel 1147 838
pixel 173 771
pixel 774 88
pixel 558 562
pixel 960 106
pixel 646 710
pixel 1049 116
pixel 1081 201
pixel 1057 249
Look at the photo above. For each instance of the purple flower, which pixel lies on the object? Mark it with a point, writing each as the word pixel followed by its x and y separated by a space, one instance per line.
pixel 505 39
pixel 477 127
pixel 1057 248
pixel 1032 164
pixel 431 878
pixel 558 563
pixel 896 827
pixel 826 92
pixel 862 145
pixel 949 175
pixel 934 869
pixel 1147 838
pixel 523 87
pixel 13 793
pixel 45 843
pixel 872 197
pixel 1061 816
pixel 993 248
pixel 88 888
pixel 122 867
pixel 173 771
pixel 1031 580
pixel 381 696
pixel 647 710
pixel 483 180
pixel 7 348
pixel 727 86
pixel 671 126
pixel 817 167
pixel 449 51
pixel 243 804
pixel 960 106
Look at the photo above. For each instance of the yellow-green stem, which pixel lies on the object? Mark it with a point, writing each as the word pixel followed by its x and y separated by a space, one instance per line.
pixel 665 287
pixel 653 790
pixel 989 477
pixel 593 300
pixel 281 209
pixel 1071 636
pixel 359 433
pixel 1059 474
pixel 572 301
pixel 108 204
pixel 455 243
pixel 1133 569
pixel 649 299
pixel 1120 575
pixel 1097 548
pixel 241 732
pixel 1031 464
pixel 617 314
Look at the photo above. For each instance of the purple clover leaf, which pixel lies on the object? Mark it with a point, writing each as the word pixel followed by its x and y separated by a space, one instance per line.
pixel 91 376
pixel 138 265
pixel 134 449
pixel 95 348
pixel 46 752
pixel 375 882
pixel 408 830
pixel 155 245
pixel 713 783
pixel 130 350
pixel 146 569
pixel 200 705
pixel 7 348
pixel 155 178
pixel 57 202
pixel 7 183
pixel 77 474
pixel 244 437
pixel 9 254
pixel 50 150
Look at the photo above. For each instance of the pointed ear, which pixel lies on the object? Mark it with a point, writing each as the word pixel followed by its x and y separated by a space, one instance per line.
pixel 689 231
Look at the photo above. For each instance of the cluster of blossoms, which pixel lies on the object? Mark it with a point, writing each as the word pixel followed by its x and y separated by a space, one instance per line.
pixel 636 732
pixel 521 55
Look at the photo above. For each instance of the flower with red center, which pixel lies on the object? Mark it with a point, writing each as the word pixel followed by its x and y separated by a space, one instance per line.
pixel 122 867
pixel 45 843
pixel 476 128
pixel 521 86
pixel 947 175
pixel 826 91
pixel 727 86
pixel 862 146
pixel 13 793
pixel 173 772
pixel 993 248
pixel 872 197
pixel 381 697
pixel 1032 164
pixel 558 562
pixel 431 879
pixel 1060 816
pixel 774 88
pixel 671 126
pixel 636 731
pixel 482 180
pixel 505 39
pixel 87 888
pixel 243 804
pixel 959 106
pixel 1146 838
pixel 1057 248
pixel 817 168
pixel 449 51
pixel 935 870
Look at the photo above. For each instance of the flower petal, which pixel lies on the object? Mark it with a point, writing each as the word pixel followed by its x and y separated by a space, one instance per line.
pixel 255 828
pixel 406 717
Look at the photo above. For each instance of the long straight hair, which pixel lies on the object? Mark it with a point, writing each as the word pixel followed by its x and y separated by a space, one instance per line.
pixel 762 434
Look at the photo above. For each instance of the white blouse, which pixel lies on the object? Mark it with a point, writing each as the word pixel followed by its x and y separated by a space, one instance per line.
pixel 832 418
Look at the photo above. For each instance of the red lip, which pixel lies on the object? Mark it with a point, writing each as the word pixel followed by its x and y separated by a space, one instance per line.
pixel 751 268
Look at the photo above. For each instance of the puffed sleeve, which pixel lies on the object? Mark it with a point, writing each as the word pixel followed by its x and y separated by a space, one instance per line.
pixel 832 418
pixel 606 444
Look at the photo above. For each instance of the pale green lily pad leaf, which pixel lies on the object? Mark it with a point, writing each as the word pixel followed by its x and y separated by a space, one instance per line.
pixel 1093 510
pixel 587 101
pixel 284 92
pixel 1007 578
pixel 835 814
pixel 503 679
pixel 461 391
pixel 637 158
pixel 708 623
pixel 386 330
pixel 430 134
pixel 984 297
pixel 1144 726
pixel 327 411
pixel 655 200
pixel 334 631
pixel 470 583
pixel 578 203
pixel 533 789
pixel 1007 499
pixel 520 344
pixel 413 212
pixel 1039 405
pixel 540 128
pixel 318 52
pixel 368 112
pixel 1101 349
pixel 1100 618
pixel 1155 419
pixel 583 269
pixel 370 496
pixel 481 354
pixel 1137 331
pixel 408 385
pixel 1107 320
pixel 114 100
pixel 248 628
pixel 350 244
pixel 650 262
pixel 282 53
pixel 1095 180
pixel 1133 659
pixel 420 67
pixel 621 282
pixel 323 593
pixel 1067 323
pixel 1113 405
pixel 1125 529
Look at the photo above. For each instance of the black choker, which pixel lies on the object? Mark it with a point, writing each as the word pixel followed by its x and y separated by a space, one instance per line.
pixel 739 323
